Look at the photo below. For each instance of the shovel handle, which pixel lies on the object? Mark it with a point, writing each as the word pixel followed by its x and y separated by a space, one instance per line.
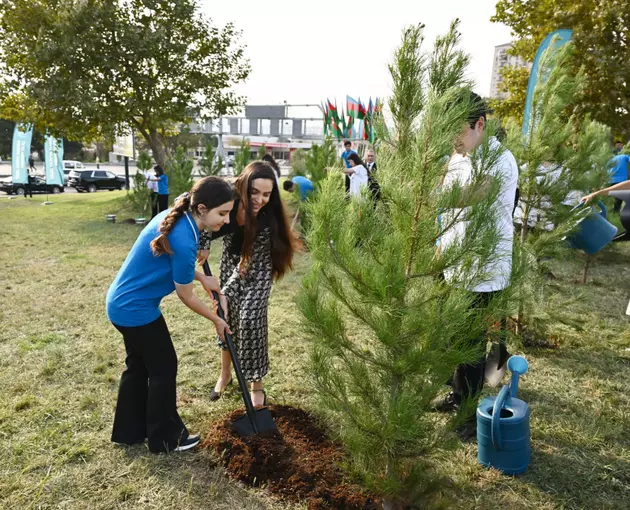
pixel 249 407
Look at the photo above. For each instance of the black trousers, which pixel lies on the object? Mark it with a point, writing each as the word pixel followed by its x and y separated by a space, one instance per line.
pixel 146 406
pixel 618 204
pixel 28 190
pixel 154 204
pixel 468 379
pixel 162 202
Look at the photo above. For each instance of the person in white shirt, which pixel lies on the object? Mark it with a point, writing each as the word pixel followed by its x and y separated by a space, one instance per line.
pixel 358 174
pixel 153 187
pixel 495 275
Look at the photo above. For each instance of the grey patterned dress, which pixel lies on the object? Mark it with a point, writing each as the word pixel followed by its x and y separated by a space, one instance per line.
pixel 248 299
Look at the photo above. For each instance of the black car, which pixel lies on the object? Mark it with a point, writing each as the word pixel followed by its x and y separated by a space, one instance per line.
pixel 93 180
pixel 38 185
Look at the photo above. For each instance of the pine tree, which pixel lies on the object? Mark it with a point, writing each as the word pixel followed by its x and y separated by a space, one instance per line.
pixel 319 159
pixel 179 169
pixel 386 330
pixel 242 157
pixel 210 164
pixel 560 158
pixel 140 196
pixel 298 163
pixel 261 151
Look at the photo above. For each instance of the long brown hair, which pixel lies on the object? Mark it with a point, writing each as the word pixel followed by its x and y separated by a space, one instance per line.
pixel 209 191
pixel 283 242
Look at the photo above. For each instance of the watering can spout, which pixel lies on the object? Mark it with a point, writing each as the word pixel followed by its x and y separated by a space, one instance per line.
pixel 518 366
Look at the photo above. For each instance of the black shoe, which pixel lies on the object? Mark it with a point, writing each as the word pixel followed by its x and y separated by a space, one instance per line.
pixel 468 431
pixel 264 393
pixel 216 395
pixel 451 403
pixel 187 444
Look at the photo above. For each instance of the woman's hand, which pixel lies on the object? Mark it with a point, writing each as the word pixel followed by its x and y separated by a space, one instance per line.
pixel 587 198
pixel 221 327
pixel 210 284
pixel 202 256
pixel 224 304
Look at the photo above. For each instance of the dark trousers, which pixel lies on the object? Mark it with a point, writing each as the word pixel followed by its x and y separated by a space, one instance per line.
pixel 27 188
pixel 347 185
pixel 154 204
pixel 468 379
pixel 162 202
pixel 618 204
pixel 146 406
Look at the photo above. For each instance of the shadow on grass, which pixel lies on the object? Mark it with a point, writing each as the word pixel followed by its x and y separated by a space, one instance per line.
pixel 579 482
pixel 580 445
pixel 198 475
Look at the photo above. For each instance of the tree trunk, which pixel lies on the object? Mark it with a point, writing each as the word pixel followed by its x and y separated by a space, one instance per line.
pixel 159 152
pixel 523 237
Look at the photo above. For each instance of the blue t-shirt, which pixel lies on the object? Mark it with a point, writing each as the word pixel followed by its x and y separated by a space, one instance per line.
pixel 163 185
pixel 304 185
pixel 344 156
pixel 144 279
pixel 619 172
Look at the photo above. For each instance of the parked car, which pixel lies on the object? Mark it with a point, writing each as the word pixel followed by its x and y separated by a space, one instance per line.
pixel 93 180
pixel 38 185
pixel 68 166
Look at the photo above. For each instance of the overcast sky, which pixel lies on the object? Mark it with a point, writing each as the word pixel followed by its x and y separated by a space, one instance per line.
pixel 303 52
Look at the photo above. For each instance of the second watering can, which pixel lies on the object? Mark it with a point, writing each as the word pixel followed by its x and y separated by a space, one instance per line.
pixel 593 232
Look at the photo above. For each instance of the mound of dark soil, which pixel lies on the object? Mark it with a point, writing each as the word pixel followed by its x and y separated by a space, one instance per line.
pixel 300 464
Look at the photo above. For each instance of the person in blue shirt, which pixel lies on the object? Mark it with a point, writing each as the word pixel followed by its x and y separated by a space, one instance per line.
pixel 162 193
pixel 618 171
pixel 162 260
pixel 344 155
pixel 304 186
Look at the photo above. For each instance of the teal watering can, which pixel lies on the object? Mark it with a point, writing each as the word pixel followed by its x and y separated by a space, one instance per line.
pixel 593 232
pixel 503 436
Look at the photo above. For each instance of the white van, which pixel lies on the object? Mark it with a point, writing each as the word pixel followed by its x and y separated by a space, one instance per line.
pixel 68 166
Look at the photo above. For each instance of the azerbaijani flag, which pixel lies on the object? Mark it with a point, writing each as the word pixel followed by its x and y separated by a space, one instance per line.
pixel 324 110
pixel 332 110
pixel 362 110
pixel 352 106
pixel 351 130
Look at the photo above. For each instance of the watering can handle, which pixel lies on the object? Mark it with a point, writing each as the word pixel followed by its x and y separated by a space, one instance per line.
pixel 600 204
pixel 496 417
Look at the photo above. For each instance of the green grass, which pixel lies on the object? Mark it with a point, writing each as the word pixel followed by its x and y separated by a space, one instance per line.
pixel 60 361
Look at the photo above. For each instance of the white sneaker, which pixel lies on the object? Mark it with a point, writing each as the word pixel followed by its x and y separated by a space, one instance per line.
pixel 187 444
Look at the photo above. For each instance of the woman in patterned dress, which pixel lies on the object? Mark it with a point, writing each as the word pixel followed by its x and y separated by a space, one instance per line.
pixel 258 247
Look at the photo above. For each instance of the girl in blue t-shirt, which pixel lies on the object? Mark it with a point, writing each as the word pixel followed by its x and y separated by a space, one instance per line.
pixel 161 261
pixel 162 194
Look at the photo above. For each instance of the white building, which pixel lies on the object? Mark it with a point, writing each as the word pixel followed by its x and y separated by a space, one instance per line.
pixel 501 60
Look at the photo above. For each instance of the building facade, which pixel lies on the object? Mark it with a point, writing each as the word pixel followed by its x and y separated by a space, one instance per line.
pixel 502 59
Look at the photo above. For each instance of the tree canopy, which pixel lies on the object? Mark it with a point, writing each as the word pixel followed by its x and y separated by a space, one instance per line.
pixel 85 68
pixel 600 35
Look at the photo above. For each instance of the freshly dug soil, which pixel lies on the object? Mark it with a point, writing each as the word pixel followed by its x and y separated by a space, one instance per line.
pixel 301 464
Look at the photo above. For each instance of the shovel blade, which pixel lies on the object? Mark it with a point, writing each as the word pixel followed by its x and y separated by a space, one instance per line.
pixel 264 423
pixel 496 364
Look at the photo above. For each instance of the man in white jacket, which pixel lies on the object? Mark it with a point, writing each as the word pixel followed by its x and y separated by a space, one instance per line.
pixel 495 276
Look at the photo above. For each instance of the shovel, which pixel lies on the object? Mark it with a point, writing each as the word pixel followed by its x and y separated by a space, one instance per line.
pixel 496 363
pixel 254 421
